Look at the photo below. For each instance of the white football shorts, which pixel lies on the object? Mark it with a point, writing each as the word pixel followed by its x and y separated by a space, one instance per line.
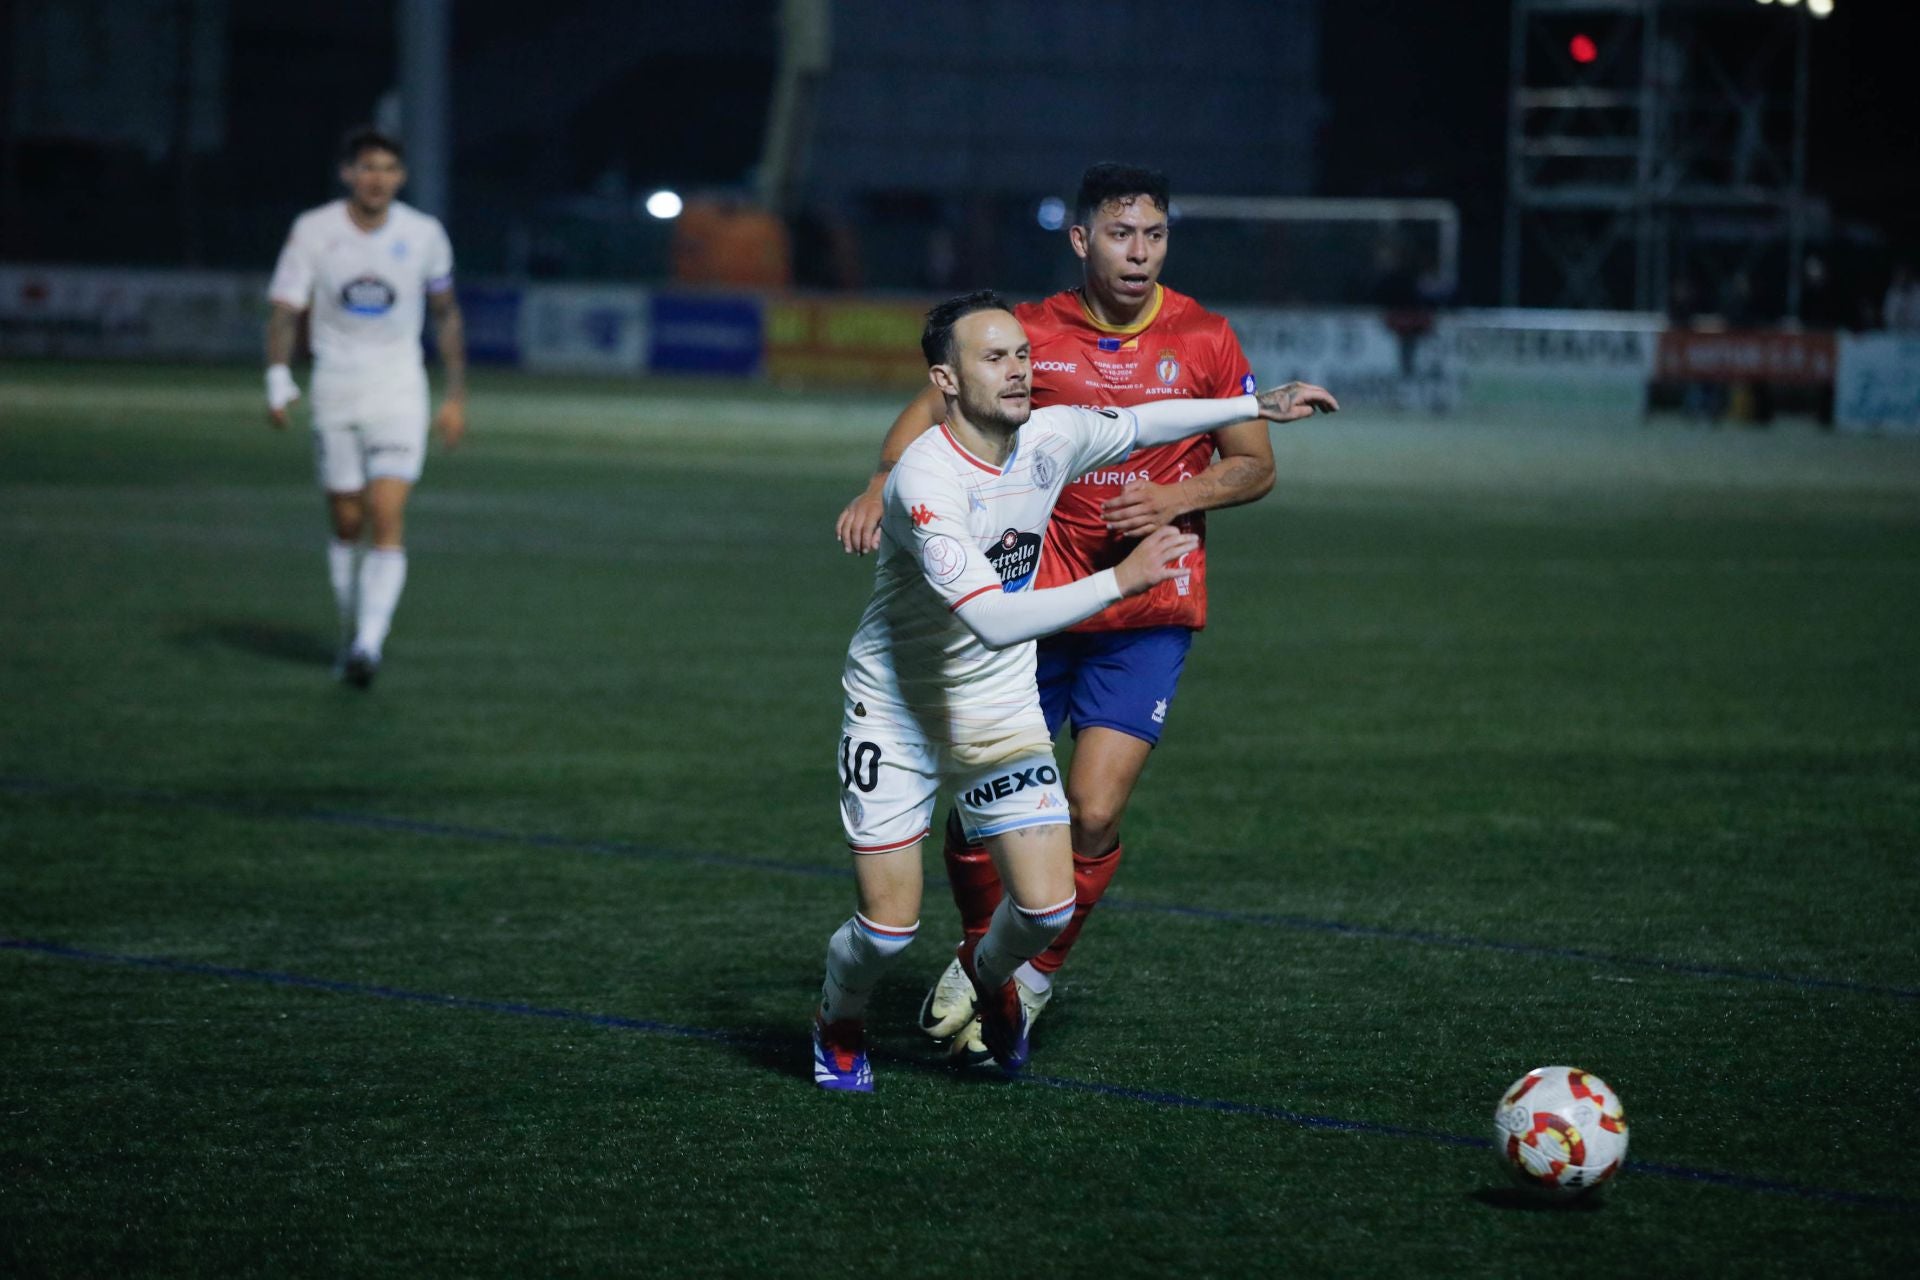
pixel 890 780
pixel 369 433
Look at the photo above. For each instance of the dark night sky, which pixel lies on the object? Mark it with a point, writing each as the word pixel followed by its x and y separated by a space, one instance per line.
pixel 1417 98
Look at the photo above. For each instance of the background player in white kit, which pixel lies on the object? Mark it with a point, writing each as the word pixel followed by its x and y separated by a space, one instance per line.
pixel 939 678
pixel 369 267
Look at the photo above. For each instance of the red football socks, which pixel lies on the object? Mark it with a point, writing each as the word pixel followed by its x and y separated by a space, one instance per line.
pixel 975 881
pixel 1091 876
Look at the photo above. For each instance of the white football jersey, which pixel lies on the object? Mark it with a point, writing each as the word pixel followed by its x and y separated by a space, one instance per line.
pixel 952 527
pixel 367 289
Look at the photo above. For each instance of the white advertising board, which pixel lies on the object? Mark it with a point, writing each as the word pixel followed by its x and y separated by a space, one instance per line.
pixel 1595 360
pixel 91 312
pixel 567 328
pixel 1354 354
pixel 1877 383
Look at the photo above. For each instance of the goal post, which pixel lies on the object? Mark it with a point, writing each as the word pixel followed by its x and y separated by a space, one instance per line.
pixel 1316 252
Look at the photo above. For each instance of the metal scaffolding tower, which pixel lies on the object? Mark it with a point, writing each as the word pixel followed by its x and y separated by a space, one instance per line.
pixel 1650 141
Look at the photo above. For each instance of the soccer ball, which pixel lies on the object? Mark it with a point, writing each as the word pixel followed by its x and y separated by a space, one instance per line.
pixel 1560 1131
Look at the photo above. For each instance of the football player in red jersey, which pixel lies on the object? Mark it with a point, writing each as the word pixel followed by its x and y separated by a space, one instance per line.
pixel 1122 338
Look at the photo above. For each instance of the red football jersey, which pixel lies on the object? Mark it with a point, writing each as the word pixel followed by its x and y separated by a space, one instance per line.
pixel 1178 349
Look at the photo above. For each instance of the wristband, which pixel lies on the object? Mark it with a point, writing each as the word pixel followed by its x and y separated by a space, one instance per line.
pixel 282 390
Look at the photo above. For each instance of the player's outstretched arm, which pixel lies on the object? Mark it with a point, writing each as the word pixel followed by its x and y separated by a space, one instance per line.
pixel 450 338
pixel 858 527
pixel 1292 401
pixel 1001 618
pixel 1165 421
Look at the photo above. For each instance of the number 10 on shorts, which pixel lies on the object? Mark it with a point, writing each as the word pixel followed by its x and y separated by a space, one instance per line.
pixel 859 764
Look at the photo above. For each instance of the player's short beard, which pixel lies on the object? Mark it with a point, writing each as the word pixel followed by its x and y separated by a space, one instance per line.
pixel 988 412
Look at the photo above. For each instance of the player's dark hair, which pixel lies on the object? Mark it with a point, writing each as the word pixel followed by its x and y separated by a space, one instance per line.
pixel 1104 183
pixel 365 137
pixel 936 340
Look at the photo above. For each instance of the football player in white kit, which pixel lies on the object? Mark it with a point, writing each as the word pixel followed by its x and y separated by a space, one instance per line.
pixel 939 679
pixel 367 267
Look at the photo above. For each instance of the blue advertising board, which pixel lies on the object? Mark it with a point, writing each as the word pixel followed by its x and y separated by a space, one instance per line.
pixel 706 333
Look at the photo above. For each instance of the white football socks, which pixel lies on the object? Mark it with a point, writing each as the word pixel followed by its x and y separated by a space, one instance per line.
pixel 383 574
pixel 343 572
pixel 858 954
pixel 1017 935
pixel 1033 979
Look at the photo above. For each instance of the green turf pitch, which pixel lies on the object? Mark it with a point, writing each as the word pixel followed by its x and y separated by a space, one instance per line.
pixel 1511 743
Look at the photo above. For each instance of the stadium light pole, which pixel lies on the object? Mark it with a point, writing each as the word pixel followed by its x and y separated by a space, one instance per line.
pixel 425 43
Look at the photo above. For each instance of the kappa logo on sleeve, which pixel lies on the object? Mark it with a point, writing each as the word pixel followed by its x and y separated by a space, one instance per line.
pixel 922 515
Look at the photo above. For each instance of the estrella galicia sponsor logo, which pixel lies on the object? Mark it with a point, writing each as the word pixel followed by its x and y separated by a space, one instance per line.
pixel 1247 385
pixel 1012 783
pixel 1015 555
pixel 368 296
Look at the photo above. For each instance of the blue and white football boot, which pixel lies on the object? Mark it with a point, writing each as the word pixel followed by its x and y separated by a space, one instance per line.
pixel 1003 1018
pixel 840 1056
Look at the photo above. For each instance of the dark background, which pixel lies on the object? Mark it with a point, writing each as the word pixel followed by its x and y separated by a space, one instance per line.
pixel 565 112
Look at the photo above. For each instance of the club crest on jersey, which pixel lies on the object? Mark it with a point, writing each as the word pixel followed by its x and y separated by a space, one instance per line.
pixel 1247 385
pixel 1168 368
pixel 368 296
pixel 1044 469
pixel 1015 555
pixel 399 251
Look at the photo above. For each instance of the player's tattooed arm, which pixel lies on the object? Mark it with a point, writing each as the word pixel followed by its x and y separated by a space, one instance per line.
pixel 450 338
pixel 1242 473
pixel 1293 401
pixel 858 528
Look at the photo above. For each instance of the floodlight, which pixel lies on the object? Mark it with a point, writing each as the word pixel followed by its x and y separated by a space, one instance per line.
pixel 1052 213
pixel 665 205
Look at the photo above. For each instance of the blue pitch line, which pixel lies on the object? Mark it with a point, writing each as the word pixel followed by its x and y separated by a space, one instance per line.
pixel 631 849
pixel 1150 1097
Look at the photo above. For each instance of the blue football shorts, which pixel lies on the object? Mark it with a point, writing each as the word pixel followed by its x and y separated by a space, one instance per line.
pixel 1122 680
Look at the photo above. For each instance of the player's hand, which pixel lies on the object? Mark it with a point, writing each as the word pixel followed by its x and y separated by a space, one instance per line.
pixel 1155 560
pixel 450 423
pixel 858 527
pixel 1294 401
pixel 1142 507
pixel 282 391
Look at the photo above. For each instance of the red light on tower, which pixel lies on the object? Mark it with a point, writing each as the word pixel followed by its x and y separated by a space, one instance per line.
pixel 1583 49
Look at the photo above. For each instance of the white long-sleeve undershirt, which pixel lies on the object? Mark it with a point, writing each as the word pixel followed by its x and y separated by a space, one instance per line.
pixel 1001 618
pixel 1165 421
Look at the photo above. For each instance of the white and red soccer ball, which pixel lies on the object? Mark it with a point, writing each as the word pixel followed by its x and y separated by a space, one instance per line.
pixel 1561 1131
